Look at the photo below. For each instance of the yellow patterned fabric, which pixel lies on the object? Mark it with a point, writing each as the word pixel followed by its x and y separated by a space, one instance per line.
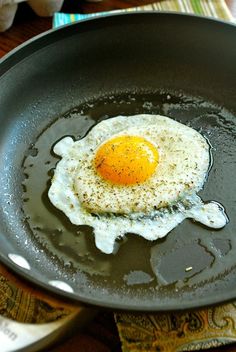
pixel 19 303
pixel 181 331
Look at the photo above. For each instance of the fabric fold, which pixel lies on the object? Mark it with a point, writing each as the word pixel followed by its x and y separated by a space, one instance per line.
pixel 209 8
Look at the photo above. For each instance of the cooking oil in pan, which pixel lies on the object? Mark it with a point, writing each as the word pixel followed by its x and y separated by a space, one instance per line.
pixel 137 262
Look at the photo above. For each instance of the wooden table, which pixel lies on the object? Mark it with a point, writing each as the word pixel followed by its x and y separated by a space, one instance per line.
pixel 27 24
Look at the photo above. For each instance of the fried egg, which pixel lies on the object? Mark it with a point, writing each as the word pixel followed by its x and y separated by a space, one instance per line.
pixel 138 174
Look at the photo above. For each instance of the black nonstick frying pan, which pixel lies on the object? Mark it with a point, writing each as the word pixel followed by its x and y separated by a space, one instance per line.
pixel 63 83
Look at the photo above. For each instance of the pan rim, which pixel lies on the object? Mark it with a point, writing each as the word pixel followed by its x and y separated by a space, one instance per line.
pixel 65 27
pixel 96 303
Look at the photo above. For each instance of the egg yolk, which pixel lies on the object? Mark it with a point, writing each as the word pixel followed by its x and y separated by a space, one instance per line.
pixel 126 160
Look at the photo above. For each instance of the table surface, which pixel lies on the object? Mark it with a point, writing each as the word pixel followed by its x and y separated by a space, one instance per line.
pixel 27 24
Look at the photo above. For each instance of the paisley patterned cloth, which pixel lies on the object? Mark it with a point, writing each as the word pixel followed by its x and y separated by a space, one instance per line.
pixel 21 303
pixel 182 331
pixel 21 306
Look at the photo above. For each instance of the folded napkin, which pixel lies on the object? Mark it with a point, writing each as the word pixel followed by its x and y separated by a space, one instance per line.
pixel 188 330
pixel 210 8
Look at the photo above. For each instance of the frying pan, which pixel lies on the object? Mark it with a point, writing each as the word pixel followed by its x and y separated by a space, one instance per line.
pixel 63 83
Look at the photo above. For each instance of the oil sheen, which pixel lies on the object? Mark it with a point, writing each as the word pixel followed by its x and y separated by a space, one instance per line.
pixel 74 245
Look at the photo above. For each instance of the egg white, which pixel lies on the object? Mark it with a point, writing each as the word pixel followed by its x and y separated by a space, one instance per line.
pixel 151 209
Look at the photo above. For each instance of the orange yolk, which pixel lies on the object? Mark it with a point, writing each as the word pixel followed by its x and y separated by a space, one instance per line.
pixel 126 160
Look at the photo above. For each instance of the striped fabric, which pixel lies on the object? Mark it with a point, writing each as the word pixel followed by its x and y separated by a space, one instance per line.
pixel 210 8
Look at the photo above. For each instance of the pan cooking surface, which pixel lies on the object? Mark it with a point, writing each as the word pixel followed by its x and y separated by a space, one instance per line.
pixel 192 251
pixel 190 267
